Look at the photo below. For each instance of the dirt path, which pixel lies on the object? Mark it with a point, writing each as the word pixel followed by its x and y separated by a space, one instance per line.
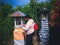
pixel 35 40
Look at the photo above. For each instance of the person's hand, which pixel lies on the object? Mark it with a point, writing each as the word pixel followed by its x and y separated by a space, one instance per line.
pixel 22 25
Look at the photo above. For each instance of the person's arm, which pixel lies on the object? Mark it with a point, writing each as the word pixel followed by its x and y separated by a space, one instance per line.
pixel 28 25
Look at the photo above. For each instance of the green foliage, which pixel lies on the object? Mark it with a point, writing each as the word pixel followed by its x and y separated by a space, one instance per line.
pixel 6 23
pixel 17 8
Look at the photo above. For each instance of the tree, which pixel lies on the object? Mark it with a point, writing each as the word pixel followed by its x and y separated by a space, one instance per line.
pixel 6 24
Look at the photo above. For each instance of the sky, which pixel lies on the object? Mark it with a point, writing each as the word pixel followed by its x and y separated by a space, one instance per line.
pixel 15 3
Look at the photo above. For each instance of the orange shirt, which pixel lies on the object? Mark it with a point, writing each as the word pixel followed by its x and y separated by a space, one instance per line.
pixel 18 34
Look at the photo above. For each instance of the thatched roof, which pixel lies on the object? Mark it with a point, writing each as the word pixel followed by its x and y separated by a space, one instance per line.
pixel 17 14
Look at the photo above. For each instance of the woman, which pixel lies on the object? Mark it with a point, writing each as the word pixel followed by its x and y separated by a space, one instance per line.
pixel 29 28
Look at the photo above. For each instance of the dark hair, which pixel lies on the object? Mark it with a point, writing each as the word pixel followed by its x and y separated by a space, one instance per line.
pixel 27 16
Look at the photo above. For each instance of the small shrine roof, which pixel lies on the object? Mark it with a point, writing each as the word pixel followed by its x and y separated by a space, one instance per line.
pixel 18 14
